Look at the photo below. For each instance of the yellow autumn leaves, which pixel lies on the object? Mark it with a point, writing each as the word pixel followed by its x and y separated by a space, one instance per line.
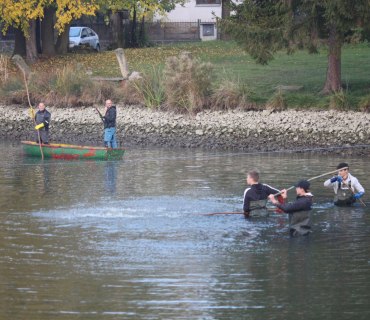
pixel 19 13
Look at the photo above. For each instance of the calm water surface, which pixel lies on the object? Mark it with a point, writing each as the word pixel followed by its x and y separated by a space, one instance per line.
pixel 127 240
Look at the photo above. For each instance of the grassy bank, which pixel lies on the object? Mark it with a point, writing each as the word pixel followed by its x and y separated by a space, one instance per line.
pixel 230 62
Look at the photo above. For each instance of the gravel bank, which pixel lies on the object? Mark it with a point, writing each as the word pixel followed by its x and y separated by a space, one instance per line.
pixel 250 131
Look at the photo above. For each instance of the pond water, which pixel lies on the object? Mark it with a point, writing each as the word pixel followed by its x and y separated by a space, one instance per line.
pixel 128 239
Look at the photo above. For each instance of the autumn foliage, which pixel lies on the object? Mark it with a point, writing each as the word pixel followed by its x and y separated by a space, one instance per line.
pixel 19 13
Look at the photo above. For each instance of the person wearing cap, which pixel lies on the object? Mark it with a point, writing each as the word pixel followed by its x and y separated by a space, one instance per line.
pixel 347 188
pixel 299 210
pixel 255 197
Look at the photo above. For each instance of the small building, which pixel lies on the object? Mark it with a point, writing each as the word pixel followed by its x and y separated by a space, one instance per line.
pixel 204 12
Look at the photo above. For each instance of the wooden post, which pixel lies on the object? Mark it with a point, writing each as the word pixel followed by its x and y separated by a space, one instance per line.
pixel 122 62
pixel 26 74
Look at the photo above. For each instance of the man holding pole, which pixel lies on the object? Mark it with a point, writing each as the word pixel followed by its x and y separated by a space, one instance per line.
pixel 42 121
pixel 109 120
pixel 299 210
pixel 347 188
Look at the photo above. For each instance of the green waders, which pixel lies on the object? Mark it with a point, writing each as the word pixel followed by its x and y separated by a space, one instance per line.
pixel 344 197
pixel 300 223
pixel 258 208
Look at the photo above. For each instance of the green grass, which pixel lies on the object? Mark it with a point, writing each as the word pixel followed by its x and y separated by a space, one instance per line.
pixel 232 63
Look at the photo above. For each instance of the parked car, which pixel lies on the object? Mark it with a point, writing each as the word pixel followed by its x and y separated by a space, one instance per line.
pixel 83 37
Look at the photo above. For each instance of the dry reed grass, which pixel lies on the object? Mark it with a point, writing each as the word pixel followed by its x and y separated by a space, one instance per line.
pixel 231 95
pixel 187 83
pixel 65 87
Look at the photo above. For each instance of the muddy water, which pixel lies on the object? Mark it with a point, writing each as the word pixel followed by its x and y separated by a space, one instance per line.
pixel 127 240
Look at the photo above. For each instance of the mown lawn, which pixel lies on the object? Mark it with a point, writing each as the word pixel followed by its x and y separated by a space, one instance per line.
pixel 231 62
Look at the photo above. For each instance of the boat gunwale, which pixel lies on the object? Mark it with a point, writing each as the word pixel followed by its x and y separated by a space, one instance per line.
pixel 68 146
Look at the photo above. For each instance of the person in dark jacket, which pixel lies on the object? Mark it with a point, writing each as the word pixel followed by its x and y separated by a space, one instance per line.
pixel 299 210
pixel 42 120
pixel 109 120
pixel 255 197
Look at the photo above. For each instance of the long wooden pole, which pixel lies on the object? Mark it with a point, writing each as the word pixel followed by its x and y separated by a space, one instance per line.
pixel 313 178
pixel 26 72
pixel 231 212
pixel 34 120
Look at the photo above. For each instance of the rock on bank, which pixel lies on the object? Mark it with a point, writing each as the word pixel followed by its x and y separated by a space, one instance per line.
pixel 250 131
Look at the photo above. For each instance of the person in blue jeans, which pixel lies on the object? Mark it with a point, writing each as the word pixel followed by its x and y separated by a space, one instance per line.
pixel 109 120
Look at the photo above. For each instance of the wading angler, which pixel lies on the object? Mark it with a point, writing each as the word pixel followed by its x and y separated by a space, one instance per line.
pixel 347 188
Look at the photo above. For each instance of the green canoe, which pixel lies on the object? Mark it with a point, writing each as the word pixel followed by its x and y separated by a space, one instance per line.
pixel 71 152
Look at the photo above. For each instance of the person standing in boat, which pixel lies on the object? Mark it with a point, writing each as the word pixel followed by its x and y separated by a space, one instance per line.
pixel 255 197
pixel 299 210
pixel 347 188
pixel 42 120
pixel 109 120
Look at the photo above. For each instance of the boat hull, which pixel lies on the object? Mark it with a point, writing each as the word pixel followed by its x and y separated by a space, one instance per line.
pixel 71 152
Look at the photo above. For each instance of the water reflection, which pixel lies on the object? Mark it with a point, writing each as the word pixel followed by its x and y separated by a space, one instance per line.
pixel 42 177
pixel 111 177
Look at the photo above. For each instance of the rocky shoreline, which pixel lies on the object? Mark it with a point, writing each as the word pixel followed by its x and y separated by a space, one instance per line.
pixel 341 132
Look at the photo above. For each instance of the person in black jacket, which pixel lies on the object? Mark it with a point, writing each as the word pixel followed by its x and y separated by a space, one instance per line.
pixel 109 120
pixel 255 197
pixel 42 120
pixel 299 210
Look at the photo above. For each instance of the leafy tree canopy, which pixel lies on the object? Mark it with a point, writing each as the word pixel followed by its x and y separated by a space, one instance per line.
pixel 142 7
pixel 264 26
pixel 19 13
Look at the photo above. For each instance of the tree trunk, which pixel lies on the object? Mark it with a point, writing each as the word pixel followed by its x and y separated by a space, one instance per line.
pixel 133 30
pixel 142 32
pixel 117 30
pixel 19 43
pixel 47 32
pixel 225 13
pixel 333 73
pixel 61 46
pixel 38 36
pixel 31 48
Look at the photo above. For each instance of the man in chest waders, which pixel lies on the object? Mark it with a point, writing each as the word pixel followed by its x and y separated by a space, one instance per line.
pixel 255 197
pixel 347 188
pixel 299 210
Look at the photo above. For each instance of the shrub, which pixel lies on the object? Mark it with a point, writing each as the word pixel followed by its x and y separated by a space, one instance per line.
pixel 72 80
pixel 130 93
pixel 69 86
pixel 231 95
pixel 364 104
pixel 105 90
pixel 339 100
pixel 149 88
pixel 187 82
pixel 42 84
pixel 12 91
pixel 277 102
